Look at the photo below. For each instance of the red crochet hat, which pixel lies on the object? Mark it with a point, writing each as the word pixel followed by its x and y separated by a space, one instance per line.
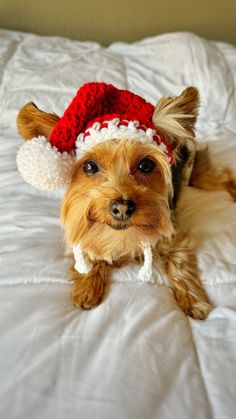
pixel 99 112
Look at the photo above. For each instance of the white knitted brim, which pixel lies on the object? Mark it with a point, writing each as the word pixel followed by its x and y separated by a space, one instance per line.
pixel 43 166
pixel 117 129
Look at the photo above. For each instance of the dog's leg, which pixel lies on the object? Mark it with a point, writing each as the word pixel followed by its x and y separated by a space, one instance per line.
pixel 180 264
pixel 88 290
pixel 208 177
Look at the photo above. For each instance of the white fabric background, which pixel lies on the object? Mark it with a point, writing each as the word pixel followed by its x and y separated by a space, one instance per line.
pixel 136 355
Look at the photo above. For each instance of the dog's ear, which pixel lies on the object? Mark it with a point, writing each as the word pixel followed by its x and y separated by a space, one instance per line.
pixel 175 117
pixel 32 122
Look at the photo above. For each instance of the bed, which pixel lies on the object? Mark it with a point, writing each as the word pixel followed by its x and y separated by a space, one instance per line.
pixel 136 355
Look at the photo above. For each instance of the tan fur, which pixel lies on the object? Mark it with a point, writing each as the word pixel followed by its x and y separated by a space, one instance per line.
pixel 85 213
pixel 32 122
pixel 85 209
pixel 210 178
pixel 176 116
pixel 89 290
pixel 180 264
pixel 86 219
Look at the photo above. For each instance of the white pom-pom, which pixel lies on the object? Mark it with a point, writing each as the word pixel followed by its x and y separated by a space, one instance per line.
pixel 43 166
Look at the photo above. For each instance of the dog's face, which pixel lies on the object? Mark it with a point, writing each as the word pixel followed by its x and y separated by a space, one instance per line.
pixel 117 198
pixel 118 194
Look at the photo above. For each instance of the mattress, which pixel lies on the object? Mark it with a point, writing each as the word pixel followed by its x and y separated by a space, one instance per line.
pixel 136 355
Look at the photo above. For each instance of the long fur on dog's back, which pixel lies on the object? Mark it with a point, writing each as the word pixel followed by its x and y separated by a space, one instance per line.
pixel 205 175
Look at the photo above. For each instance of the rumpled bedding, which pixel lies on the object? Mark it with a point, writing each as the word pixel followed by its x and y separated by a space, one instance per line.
pixel 136 355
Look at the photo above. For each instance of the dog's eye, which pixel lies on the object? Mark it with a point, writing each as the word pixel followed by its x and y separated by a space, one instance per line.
pixel 146 165
pixel 90 167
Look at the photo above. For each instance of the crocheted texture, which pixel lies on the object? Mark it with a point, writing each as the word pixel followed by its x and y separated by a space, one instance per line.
pixel 145 272
pixel 99 112
pixel 95 100
pixel 43 166
pixel 116 128
pixel 81 265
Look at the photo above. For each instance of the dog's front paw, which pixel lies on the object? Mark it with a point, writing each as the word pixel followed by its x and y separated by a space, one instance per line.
pixel 88 290
pixel 85 294
pixel 198 310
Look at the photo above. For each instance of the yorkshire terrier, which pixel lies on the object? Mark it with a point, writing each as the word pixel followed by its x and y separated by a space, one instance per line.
pixel 123 192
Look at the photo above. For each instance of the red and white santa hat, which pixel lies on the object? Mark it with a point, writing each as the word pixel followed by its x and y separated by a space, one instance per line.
pixel 99 112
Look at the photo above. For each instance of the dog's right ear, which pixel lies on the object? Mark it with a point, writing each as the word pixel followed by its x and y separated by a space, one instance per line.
pixel 175 117
pixel 32 122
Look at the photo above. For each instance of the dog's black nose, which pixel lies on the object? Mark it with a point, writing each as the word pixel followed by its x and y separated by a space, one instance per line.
pixel 121 209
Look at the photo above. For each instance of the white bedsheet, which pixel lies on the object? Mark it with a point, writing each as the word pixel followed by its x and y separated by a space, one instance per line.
pixel 136 355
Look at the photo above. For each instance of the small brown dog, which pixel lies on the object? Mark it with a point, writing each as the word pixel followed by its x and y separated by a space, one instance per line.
pixel 122 193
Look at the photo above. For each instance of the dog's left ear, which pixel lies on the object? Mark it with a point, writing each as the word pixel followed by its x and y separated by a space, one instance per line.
pixel 175 117
pixel 33 122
